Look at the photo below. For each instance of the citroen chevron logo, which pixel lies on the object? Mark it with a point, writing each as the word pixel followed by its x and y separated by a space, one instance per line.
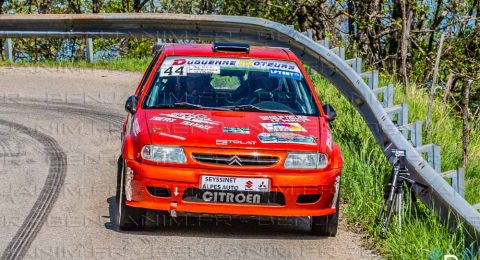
pixel 235 160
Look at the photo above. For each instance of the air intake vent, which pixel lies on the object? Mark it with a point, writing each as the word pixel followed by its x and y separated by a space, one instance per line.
pixel 231 47
pixel 308 198
pixel 159 192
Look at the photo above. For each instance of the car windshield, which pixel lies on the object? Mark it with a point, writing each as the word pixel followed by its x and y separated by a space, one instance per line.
pixel 231 84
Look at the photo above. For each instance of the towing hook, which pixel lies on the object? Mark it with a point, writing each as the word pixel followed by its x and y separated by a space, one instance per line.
pixel 173 209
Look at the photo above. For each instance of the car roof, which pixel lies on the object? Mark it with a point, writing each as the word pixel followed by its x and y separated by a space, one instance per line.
pixel 206 50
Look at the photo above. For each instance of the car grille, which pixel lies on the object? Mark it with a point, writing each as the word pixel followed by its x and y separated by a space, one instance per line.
pixel 235 160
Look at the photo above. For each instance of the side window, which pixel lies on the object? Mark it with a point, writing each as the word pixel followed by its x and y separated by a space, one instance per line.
pixel 148 72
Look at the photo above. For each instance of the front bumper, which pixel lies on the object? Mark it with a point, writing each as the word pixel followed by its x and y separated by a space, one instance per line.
pixel 177 180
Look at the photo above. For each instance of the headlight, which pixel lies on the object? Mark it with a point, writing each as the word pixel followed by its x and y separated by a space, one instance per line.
pixel 299 160
pixel 165 154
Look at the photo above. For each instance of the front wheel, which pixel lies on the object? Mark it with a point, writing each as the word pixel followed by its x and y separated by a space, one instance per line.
pixel 326 225
pixel 129 218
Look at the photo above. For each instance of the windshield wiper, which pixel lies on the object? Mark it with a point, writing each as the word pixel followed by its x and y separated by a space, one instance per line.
pixel 187 105
pixel 256 109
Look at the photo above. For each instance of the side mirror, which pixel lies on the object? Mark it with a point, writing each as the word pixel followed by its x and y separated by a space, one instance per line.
pixel 329 112
pixel 131 104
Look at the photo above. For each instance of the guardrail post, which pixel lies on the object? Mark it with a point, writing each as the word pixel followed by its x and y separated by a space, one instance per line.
pixel 339 51
pixel 437 161
pixel 418 133
pixel 356 64
pixel 9 49
pixel 325 42
pixel 308 33
pixel 90 50
pixel 389 97
pixel 458 180
pixel 433 154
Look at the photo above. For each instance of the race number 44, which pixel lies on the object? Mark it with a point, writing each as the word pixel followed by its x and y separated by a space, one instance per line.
pixel 172 71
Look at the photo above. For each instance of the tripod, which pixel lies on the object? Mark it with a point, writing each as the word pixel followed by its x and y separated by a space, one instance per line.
pixel 393 192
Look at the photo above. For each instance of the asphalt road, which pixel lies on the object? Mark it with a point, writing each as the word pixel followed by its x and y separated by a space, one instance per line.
pixel 59 137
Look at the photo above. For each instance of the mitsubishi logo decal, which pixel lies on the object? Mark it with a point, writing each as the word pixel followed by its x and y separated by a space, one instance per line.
pixel 235 160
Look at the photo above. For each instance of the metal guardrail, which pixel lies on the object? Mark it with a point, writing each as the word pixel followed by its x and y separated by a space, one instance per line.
pixel 388 123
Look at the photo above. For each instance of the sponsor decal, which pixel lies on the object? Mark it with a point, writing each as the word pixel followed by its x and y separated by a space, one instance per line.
pixel 208 69
pixel 173 136
pixel 179 62
pixel 249 186
pixel 197 125
pixel 283 127
pixel 219 183
pixel 201 121
pixel 181 66
pixel 245 63
pixel 234 183
pixel 262 186
pixel 286 137
pixel 212 61
pixel 227 142
pixel 193 117
pixel 284 74
pixel 163 119
pixel 285 119
pixel 236 130
pixel 229 197
pixel 274 64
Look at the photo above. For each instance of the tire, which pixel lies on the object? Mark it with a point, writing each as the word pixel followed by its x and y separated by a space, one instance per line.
pixel 129 218
pixel 326 225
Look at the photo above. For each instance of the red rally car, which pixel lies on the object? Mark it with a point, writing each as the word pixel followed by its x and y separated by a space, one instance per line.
pixel 229 129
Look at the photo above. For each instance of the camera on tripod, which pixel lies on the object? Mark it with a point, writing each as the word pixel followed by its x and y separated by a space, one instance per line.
pixel 393 191
pixel 401 156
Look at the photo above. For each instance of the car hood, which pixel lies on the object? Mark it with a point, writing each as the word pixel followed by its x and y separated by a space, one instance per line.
pixel 232 129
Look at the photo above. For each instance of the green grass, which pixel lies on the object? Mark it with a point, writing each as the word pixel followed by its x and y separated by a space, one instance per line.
pixel 446 131
pixel 366 169
pixel 130 64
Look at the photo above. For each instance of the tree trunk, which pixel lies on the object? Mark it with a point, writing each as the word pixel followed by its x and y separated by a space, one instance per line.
pixel 44 7
pixel 302 17
pixel 466 121
pixel 125 6
pixel 434 84
pixel 138 5
pixel 406 22
pixel 96 6
pixel 448 87
pixel 435 21
pixel 351 20
pixel 74 6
